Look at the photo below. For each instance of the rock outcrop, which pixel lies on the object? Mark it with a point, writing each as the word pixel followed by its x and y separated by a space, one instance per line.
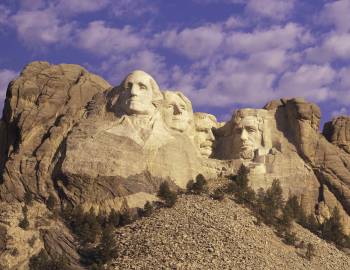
pixel 337 132
pixel 68 134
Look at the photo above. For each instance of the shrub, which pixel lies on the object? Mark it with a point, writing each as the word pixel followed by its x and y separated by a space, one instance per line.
pixel 167 195
pixel 28 198
pixel 147 209
pixel 107 248
pixel 332 229
pixel 42 261
pixel 218 194
pixel 3 238
pixel 289 237
pixel 200 186
pixel 126 218
pixel 310 251
pixel 24 223
pixel 114 218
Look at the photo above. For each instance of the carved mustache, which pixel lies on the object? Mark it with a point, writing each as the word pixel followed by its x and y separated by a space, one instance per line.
pixel 206 144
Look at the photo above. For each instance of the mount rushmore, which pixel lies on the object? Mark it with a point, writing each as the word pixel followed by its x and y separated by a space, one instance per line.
pixel 68 133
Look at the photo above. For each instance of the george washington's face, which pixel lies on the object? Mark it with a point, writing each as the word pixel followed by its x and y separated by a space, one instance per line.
pixel 247 136
pixel 175 112
pixel 137 95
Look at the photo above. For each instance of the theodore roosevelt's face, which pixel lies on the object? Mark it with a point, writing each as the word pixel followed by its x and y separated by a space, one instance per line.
pixel 175 112
pixel 137 94
pixel 204 137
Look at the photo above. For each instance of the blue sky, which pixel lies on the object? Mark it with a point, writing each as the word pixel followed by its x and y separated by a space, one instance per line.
pixel 223 54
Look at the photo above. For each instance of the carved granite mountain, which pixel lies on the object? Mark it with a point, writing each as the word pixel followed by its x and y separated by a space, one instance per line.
pixel 68 134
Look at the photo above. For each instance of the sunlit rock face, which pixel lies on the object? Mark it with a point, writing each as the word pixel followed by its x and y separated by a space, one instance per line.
pixel 67 132
pixel 204 137
pixel 337 132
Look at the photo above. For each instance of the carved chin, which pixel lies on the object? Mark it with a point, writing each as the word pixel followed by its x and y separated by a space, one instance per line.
pixel 137 108
pixel 247 154
pixel 206 151
pixel 179 127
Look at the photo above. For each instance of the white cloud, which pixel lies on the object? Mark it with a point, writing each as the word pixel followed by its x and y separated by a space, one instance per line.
pixel 334 46
pixel 285 37
pixel 77 6
pixel 41 27
pixel 274 9
pixel 132 8
pixel 337 13
pixel 193 42
pixel 104 40
pixel 310 81
pixel 341 111
pixel 118 66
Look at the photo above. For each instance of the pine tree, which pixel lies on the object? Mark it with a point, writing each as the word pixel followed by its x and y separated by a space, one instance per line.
pixel 332 229
pixel 147 209
pixel 107 248
pixel 273 201
pixel 114 218
pixel 201 185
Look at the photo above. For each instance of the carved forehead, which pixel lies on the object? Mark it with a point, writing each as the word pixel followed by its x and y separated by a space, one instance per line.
pixel 204 120
pixel 139 76
pixel 248 121
pixel 177 98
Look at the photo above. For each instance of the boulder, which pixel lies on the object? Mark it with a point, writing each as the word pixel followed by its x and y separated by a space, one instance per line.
pixel 337 132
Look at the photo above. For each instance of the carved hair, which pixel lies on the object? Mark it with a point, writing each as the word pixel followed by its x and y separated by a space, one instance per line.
pixel 202 116
pixel 188 103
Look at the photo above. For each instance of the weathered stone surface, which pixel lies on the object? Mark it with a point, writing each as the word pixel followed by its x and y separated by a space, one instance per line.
pixel 41 106
pixel 299 123
pixel 337 132
pixel 68 133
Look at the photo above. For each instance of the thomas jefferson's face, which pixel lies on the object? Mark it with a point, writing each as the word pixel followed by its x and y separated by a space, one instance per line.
pixel 204 136
pixel 138 94
pixel 175 112
pixel 247 136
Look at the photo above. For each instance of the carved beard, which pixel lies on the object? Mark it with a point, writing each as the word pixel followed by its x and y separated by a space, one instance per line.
pixel 247 154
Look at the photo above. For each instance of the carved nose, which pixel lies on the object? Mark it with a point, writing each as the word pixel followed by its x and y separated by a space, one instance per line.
pixel 244 135
pixel 211 136
pixel 177 110
pixel 134 90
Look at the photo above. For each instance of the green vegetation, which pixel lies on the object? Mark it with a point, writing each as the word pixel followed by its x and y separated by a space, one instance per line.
pixel 28 198
pixel 24 223
pixel 42 261
pixel 239 187
pixel 198 187
pixel 167 195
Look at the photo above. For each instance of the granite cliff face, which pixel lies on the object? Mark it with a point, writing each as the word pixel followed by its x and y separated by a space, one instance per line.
pixel 67 133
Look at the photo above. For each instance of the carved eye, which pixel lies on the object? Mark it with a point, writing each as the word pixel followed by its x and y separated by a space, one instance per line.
pixel 238 130
pixel 129 85
pixel 142 86
pixel 182 108
pixel 251 129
